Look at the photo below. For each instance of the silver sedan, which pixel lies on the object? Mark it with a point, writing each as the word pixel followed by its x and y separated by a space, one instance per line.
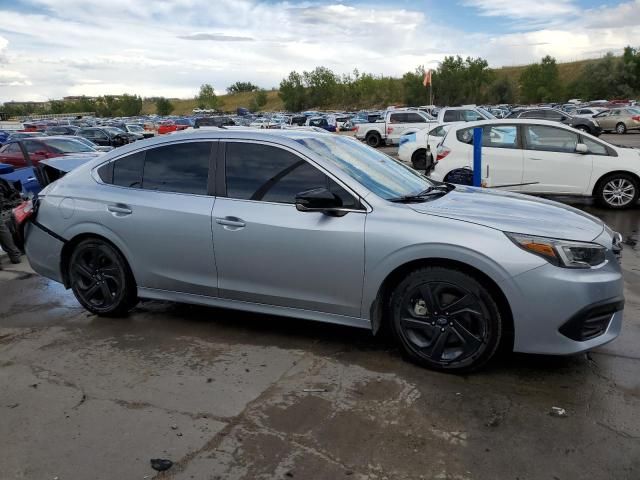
pixel 321 227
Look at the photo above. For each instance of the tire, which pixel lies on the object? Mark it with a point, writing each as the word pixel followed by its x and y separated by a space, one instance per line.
pixel 583 128
pixel 373 139
pixel 618 191
pixel 621 128
pixel 444 319
pixel 101 279
pixel 419 160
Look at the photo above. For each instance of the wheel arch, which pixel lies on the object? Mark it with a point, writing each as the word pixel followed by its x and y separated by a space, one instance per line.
pixel 70 245
pixel 605 176
pixel 380 303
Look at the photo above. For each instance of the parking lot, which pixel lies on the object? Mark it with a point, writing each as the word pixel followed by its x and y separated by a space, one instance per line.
pixel 232 395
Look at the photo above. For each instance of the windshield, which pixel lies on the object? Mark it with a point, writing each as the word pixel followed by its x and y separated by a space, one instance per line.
pixel 379 173
pixel 64 145
pixel 113 130
pixel 135 128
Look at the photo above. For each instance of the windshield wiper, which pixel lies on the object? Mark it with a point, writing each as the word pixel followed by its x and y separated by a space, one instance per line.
pixel 435 190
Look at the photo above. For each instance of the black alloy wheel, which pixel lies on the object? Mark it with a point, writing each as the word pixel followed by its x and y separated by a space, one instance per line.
pixel 445 320
pixel 100 279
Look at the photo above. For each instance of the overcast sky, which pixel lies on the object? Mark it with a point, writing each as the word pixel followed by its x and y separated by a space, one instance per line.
pixel 53 48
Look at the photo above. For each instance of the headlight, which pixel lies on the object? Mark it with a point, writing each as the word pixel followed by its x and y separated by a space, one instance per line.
pixel 562 253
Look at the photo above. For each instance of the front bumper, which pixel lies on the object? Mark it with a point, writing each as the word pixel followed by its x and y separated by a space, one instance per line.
pixel 563 311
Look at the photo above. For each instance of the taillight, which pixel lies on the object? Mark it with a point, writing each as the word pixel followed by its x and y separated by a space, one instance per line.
pixel 23 212
pixel 442 153
pixel 636 118
pixel 389 130
pixel 355 128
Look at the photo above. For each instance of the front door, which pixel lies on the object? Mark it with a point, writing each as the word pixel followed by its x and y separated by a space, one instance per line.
pixel 269 252
pixel 551 163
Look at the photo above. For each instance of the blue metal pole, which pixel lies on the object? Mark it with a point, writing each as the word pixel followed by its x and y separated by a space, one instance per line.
pixel 477 156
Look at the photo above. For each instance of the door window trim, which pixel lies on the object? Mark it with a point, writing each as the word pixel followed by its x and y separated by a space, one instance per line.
pixel 221 190
pixel 211 176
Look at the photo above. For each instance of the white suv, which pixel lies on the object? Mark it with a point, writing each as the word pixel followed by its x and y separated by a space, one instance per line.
pixel 543 157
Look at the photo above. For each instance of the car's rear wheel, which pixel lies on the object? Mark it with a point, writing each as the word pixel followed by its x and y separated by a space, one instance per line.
pixel 445 319
pixel 419 160
pixel 621 128
pixel 101 279
pixel 373 139
pixel 618 191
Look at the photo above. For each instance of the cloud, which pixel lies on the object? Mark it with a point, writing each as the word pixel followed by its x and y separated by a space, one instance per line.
pixel 216 37
pixel 80 47
pixel 539 9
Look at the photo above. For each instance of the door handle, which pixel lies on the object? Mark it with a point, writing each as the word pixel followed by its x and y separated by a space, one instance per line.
pixel 230 222
pixel 120 209
pixel 536 159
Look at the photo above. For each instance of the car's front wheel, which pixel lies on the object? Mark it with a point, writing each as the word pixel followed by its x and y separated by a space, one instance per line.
pixel 621 128
pixel 445 319
pixel 100 278
pixel 619 190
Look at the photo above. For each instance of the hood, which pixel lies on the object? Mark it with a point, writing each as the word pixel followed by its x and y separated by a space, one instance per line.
pixel 512 212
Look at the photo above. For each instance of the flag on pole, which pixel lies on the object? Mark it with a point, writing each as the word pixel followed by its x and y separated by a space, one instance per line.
pixel 427 78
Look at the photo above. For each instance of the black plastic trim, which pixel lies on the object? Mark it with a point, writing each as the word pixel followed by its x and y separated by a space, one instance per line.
pixel 574 327
pixel 46 230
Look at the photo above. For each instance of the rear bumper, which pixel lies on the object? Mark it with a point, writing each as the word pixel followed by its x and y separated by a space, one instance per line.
pixel 44 252
pixel 566 311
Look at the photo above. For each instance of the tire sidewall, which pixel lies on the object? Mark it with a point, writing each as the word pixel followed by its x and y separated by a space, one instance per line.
pixel 124 297
pixel 457 277
pixel 600 193
pixel 370 140
pixel 621 131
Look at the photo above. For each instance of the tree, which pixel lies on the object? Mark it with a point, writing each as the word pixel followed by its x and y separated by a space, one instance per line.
pixel 163 106
pixel 240 87
pixel 258 101
pixel 207 97
pixel 415 93
pixel 322 86
pixel 541 82
pixel 129 105
pixel 292 92
pixel 502 90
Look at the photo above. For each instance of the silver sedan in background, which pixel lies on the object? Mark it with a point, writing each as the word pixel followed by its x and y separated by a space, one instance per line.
pixel 321 227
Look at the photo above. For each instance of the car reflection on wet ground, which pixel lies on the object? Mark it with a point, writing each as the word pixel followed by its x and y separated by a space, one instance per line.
pixel 233 395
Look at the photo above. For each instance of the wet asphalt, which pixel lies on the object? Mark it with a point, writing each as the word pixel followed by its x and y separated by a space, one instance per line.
pixel 231 395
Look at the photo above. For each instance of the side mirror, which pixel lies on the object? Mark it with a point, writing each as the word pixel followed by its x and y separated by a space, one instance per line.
pixel 318 200
pixel 582 148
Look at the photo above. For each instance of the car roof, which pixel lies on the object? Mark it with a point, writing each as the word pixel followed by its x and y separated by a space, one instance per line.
pixel 509 121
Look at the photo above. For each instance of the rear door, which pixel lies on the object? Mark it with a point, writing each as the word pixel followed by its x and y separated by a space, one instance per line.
pixel 551 163
pixel 502 157
pixel 159 204
pixel 268 252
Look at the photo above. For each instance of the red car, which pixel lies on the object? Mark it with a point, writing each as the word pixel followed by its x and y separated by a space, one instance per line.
pixel 169 126
pixel 40 148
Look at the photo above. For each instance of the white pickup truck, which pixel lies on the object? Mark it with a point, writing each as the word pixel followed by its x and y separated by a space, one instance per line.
pixel 393 124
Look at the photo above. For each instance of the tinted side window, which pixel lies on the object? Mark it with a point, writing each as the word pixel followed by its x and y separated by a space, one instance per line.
pixel 553 116
pixel 533 114
pixel 271 174
pixel 550 139
pixel 127 172
pixel 398 118
pixel 450 116
pixel 414 118
pixel 180 168
pixel 33 147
